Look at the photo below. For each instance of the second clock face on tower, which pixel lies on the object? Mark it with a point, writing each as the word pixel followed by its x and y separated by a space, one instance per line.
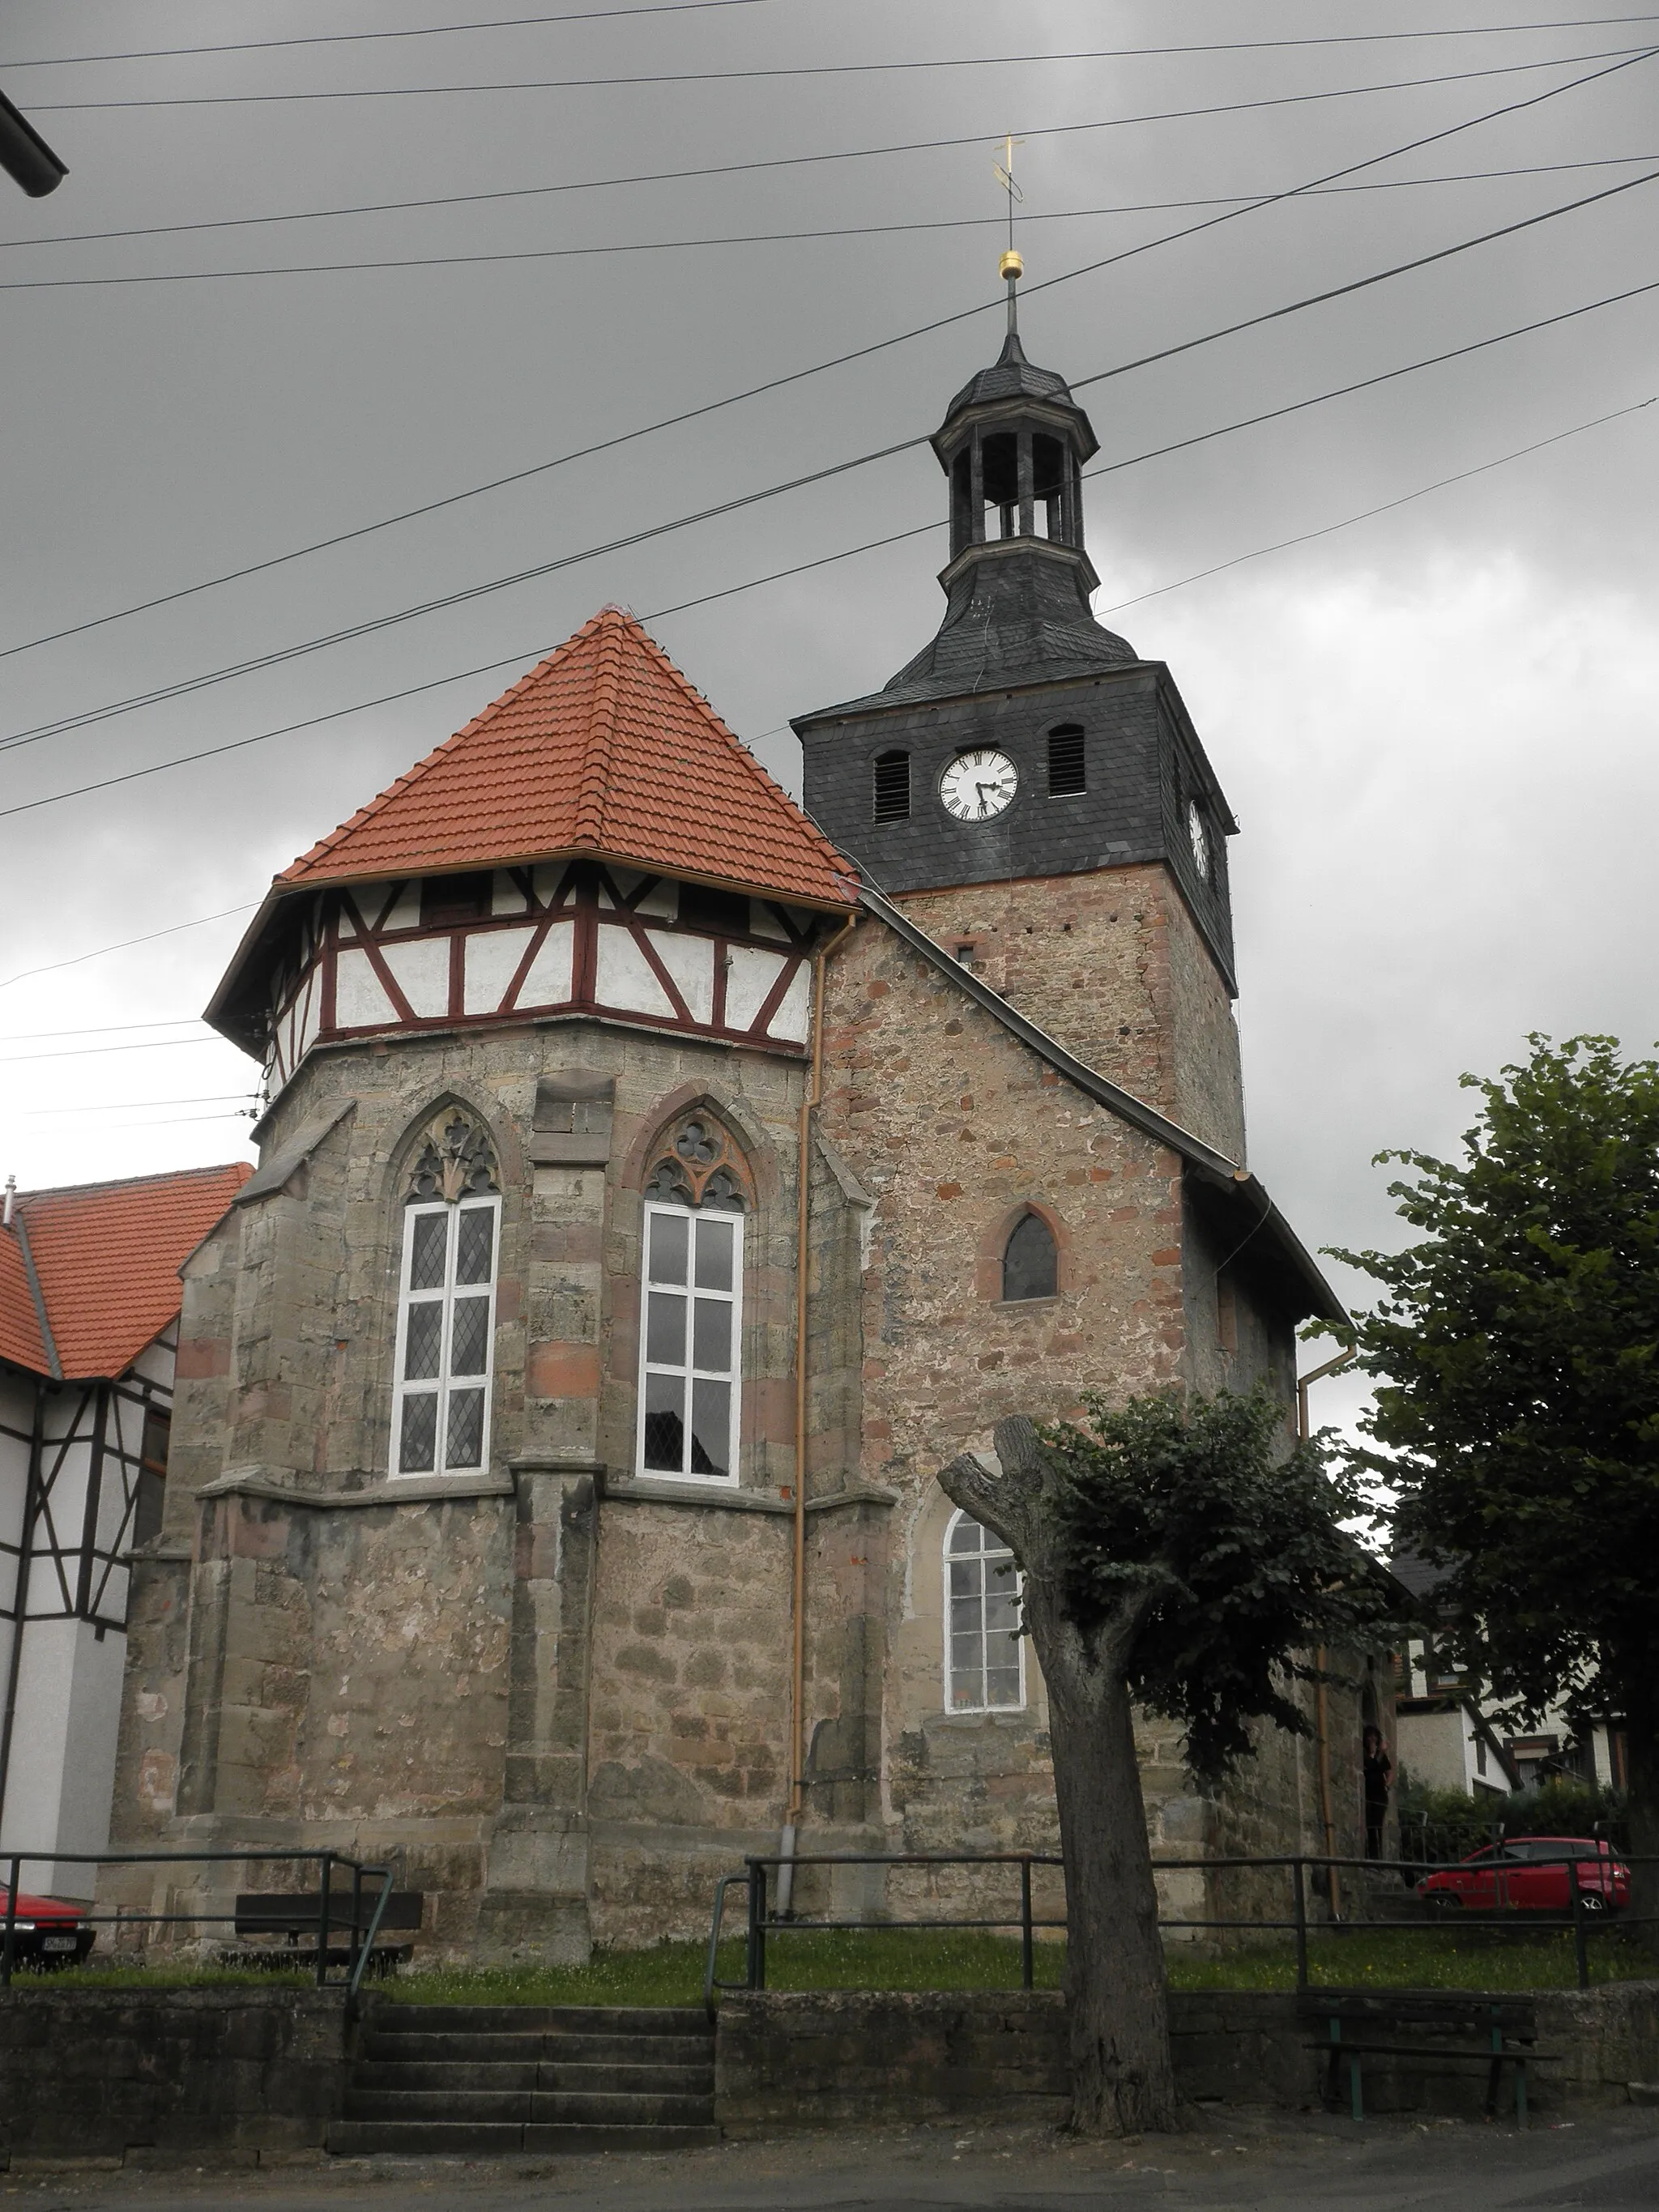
pixel 978 785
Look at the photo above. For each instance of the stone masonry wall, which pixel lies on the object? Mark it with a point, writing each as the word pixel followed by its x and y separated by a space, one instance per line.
pixel 1111 964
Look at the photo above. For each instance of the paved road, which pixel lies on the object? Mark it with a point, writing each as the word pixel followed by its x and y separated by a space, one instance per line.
pixel 1232 2164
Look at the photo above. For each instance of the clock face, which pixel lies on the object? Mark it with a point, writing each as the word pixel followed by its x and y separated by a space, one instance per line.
pixel 1200 838
pixel 979 785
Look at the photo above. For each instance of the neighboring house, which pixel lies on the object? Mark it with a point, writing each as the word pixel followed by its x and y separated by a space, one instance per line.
pixel 641 1169
pixel 1451 1732
pixel 89 1295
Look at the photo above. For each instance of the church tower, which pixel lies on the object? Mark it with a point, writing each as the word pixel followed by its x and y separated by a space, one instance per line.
pixel 1031 790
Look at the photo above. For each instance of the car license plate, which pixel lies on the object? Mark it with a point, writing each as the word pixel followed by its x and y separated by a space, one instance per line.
pixel 57 1942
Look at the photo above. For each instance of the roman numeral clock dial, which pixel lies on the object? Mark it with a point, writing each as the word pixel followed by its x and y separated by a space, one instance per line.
pixel 979 785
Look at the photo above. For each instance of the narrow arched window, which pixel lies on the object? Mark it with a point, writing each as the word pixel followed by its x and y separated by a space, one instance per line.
pixel 691 1343
pixel 984 1654
pixel 1030 1259
pixel 1068 763
pixel 892 787
pixel 447 1303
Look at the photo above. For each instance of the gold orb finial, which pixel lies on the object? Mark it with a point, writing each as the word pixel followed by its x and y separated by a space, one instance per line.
pixel 1012 263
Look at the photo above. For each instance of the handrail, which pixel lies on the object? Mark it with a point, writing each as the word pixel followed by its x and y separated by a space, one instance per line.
pixel 762 1923
pixel 359 1950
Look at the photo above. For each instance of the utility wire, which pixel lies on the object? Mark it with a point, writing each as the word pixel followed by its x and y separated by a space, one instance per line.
pixel 1109 468
pixel 132 1105
pixel 812 69
pixel 774 237
pixel 102 1029
pixel 172 929
pixel 687 6
pixel 81 1051
pixel 374 623
pixel 796 376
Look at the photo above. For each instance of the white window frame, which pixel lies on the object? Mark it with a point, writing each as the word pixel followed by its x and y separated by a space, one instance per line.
pixel 732 1376
pixel 997 1548
pixel 439 1385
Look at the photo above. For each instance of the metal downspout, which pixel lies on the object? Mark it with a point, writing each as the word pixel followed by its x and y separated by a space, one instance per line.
pixel 1321 1704
pixel 809 1105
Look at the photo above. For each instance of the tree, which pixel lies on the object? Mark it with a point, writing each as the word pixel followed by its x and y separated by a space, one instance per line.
pixel 1175 1555
pixel 1517 1349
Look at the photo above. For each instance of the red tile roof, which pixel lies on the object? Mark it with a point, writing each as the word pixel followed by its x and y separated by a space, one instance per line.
pixel 107 1256
pixel 20 1325
pixel 602 748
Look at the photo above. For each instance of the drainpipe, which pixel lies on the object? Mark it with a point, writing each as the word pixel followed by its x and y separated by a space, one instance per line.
pixel 1321 1705
pixel 809 1105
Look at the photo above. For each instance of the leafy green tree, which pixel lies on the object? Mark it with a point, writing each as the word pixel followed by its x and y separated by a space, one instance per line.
pixel 1517 1352
pixel 1176 1555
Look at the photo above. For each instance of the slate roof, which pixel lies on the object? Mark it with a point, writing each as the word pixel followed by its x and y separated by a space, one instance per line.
pixel 602 748
pixel 1010 376
pixel 105 1259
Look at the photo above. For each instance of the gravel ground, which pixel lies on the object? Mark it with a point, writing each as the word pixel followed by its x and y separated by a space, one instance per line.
pixel 1235 2162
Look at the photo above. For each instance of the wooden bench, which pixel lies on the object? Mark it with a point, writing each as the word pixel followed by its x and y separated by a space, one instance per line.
pixel 1451 2028
pixel 296 1912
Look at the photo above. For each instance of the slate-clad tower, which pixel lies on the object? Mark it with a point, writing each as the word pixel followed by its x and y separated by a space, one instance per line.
pixel 1028 778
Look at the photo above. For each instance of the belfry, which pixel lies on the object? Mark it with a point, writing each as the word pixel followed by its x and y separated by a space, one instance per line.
pixel 659 1182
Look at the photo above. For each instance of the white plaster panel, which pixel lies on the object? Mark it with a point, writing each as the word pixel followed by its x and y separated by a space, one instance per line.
pixel 359 1001
pixel 406 913
pixel 69 1703
pixel 762 922
pixel 751 976
pixel 662 902
pixel 505 896
pixel 691 962
pixel 421 970
pixel 548 983
pixel 547 877
pixel 626 979
pixel 312 1020
pixel 348 926
pixel 492 957
pixel 794 1012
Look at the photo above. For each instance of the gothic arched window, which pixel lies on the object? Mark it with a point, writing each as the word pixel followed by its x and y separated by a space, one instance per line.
pixel 1030 1259
pixel 446 1302
pixel 984 1653
pixel 691 1324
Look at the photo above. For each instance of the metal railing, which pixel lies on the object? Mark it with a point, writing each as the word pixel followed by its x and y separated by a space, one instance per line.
pixel 1587 1914
pixel 326 1910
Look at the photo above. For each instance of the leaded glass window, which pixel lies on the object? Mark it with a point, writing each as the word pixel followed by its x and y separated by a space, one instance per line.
pixel 688 1355
pixel 984 1652
pixel 446 1337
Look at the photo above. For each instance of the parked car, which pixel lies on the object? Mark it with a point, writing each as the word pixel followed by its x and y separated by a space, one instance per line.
pixel 1530 1874
pixel 46 1932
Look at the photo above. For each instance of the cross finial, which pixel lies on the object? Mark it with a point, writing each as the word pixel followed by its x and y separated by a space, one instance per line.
pixel 1012 266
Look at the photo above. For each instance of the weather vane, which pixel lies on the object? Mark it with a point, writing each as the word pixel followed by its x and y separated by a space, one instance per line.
pixel 1011 267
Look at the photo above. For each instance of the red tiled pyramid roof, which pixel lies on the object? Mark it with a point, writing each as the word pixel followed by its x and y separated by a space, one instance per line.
pixel 107 1257
pixel 602 748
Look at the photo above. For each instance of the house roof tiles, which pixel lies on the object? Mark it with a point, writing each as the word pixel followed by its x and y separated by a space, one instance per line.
pixel 106 1258
pixel 603 748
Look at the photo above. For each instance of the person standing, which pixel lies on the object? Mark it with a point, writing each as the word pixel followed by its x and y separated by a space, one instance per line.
pixel 1379 1770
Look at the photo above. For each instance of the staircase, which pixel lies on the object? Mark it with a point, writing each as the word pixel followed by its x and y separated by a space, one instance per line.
pixel 496 2078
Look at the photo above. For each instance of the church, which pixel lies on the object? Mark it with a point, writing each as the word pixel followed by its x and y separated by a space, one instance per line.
pixel 660 1182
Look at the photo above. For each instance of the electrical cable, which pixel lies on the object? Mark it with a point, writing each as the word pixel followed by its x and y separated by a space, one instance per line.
pixel 1028 216
pixel 50 967
pixel 811 69
pixel 100 1029
pixel 82 1051
pixel 796 376
pixel 131 1105
pixel 188 685
pixel 688 7
pixel 1109 468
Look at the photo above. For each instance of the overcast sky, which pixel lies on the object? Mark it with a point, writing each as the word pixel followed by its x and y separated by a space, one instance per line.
pixel 1436 726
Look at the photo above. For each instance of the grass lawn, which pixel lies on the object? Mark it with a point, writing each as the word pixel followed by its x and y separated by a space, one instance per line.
pixel 907 1959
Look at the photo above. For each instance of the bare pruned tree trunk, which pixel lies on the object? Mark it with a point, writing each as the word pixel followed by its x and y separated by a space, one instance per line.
pixel 1122 2079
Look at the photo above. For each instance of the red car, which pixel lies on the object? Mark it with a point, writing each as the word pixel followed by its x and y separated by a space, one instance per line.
pixel 46 1932
pixel 1528 1874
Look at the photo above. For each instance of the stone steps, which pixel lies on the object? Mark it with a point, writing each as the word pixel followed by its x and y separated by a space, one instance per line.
pixel 491 2079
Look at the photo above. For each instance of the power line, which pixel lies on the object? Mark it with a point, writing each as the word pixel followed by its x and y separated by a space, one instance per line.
pixel 1028 215
pixel 375 623
pixel 149 937
pixel 812 69
pixel 1111 468
pixel 687 6
pixel 104 1029
pixel 131 1105
pixel 770 237
pixel 82 1051
pixel 796 376
pixel 1367 515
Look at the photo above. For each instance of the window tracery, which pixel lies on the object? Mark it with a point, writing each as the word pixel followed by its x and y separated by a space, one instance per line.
pixel 457 1161
pixel 698 1167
